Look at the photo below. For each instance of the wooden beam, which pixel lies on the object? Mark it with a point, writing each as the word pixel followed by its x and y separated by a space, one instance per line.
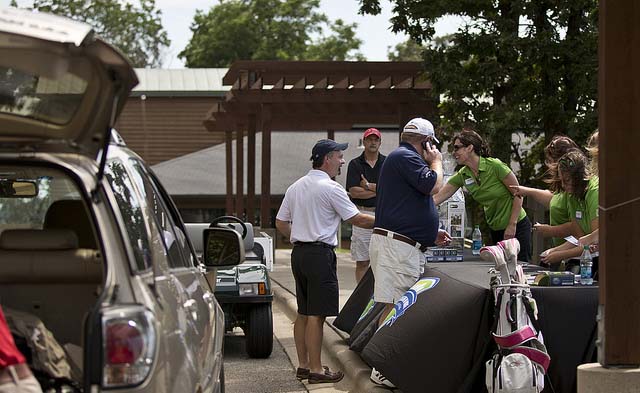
pixel 270 71
pixel 265 194
pixel 341 84
pixel 257 85
pixel 364 83
pixel 244 79
pixel 331 134
pixel 321 84
pixel 251 170
pixel 229 170
pixel 279 85
pixel 324 109
pixel 300 84
pixel 240 171
pixel 322 122
pixel 406 83
pixel 619 125
pixel 338 94
pixel 384 84
pixel 240 110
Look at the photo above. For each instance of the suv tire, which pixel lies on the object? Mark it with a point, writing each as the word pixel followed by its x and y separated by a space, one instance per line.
pixel 260 331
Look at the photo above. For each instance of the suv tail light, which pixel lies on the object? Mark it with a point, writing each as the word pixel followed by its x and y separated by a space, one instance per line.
pixel 129 345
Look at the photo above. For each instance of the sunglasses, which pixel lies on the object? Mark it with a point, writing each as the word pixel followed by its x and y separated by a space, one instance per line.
pixel 458 147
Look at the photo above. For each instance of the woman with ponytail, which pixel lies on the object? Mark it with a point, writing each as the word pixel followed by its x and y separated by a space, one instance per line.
pixel 555 198
pixel 582 204
pixel 487 180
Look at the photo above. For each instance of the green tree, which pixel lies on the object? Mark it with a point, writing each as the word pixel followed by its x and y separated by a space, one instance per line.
pixel 267 30
pixel 515 66
pixel 336 46
pixel 408 50
pixel 136 31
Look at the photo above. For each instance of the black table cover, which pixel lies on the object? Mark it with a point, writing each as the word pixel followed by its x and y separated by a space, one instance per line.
pixel 441 342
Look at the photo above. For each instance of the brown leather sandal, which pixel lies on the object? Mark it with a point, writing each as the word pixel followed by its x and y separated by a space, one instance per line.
pixel 328 377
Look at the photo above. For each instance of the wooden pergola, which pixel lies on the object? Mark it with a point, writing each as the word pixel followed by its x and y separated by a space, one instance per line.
pixel 271 96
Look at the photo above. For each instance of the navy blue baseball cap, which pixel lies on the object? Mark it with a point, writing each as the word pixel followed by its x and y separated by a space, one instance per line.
pixel 326 146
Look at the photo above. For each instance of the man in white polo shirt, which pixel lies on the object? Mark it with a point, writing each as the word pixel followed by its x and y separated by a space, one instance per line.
pixel 310 214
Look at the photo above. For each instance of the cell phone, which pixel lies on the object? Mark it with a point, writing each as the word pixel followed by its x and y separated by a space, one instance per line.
pixel 425 144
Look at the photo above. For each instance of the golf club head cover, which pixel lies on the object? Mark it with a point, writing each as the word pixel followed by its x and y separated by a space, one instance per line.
pixel 495 254
pixel 511 249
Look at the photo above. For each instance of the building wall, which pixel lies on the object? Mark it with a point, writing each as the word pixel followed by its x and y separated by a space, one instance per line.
pixel 162 128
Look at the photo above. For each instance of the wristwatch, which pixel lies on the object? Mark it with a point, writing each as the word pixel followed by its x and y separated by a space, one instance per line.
pixel 366 186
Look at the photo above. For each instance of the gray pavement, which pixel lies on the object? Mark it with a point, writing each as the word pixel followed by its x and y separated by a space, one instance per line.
pixel 247 375
pixel 336 352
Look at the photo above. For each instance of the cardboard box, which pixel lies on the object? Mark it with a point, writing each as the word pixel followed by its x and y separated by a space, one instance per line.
pixel 554 279
pixel 444 254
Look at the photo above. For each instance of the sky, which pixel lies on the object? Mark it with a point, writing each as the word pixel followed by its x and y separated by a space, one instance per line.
pixel 374 31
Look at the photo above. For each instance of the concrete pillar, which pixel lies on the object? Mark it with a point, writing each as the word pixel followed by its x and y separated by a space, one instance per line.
pixel 593 378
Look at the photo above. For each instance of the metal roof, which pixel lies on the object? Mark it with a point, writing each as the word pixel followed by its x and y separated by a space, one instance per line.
pixel 190 82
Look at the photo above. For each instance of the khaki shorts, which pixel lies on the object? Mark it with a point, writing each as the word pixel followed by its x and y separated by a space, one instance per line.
pixel 396 267
pixel 360 239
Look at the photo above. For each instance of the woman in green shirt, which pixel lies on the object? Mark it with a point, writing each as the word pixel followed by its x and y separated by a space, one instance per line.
pixel 487 180
pixel 555 198
pixel 593 148
pixel 582 203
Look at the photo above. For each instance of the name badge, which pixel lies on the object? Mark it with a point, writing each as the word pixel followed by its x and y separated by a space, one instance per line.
pixel 578 215
pixel 469 181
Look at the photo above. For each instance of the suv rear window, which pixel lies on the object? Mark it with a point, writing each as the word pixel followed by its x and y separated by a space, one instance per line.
pixel 53 98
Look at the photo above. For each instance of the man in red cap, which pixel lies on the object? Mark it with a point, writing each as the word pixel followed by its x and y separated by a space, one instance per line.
pixel 362 177
pixel 15 375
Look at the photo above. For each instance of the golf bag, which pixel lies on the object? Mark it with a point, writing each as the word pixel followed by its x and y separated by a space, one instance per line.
pixel 521 360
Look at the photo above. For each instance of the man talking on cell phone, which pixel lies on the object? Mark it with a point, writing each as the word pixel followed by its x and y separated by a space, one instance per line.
pixel 406 217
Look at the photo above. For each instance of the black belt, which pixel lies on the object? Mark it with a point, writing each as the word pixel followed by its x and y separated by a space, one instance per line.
pixel 399 237
pixel 313 244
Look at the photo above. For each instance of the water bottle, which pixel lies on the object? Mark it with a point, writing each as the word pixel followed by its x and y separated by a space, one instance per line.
pixel 477 241
pixel 586 263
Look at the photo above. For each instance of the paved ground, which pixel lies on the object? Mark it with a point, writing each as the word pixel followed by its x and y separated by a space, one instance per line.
pixel 275 374
pixel 336 352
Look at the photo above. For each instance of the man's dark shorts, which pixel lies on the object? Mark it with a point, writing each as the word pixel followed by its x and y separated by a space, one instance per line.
pixel 314 269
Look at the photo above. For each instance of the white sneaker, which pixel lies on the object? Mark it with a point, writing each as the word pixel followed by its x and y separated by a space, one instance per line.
pixel 379 379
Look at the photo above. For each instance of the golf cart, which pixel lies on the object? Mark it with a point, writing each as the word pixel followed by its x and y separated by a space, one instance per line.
pixel 244 291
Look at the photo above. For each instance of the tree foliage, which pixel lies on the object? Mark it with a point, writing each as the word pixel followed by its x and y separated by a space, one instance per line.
pixel 524 67
pixel 408 50
pixel 136 31
pixel 267 30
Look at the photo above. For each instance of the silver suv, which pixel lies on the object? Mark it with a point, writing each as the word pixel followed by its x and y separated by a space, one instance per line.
pixel 92 249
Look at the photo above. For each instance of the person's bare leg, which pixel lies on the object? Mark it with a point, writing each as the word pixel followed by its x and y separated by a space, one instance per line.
pixel 387 309
pixel 361 269
pixel 313 336
pixel 299 332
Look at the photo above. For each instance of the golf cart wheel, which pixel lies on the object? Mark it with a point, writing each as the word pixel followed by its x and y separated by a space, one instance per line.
pixel 260 331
